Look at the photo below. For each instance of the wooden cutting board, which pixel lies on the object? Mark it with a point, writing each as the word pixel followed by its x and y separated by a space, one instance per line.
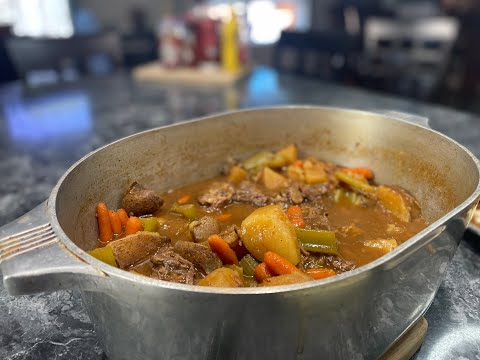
pixel 409 343
pixel 154 72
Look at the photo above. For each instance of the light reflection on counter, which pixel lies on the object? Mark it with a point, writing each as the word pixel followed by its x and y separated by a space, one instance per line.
pixel 460 343
pixel 48 116
pixel 263 88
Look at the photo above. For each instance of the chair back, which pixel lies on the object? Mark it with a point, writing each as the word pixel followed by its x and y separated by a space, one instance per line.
pixel 417 50
pixel 321 54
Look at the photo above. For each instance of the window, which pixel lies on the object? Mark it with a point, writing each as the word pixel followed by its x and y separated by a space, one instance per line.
pixel 37 18
pixel 6 12
pixel 267 18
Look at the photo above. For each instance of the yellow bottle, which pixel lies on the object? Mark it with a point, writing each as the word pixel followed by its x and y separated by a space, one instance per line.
pixel 229 44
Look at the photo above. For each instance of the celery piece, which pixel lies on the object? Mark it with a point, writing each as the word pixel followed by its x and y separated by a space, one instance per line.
pixel 354 182
pixel 355 198
pixel 258 160
pixel 277 161
pixel 187 210
pixel 248 264
pixel 338 195
pixel 104 254
pixel 149 223
pixel 236 268
pixel 319 241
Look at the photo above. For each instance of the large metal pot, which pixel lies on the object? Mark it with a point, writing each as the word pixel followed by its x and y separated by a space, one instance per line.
pixel 355 315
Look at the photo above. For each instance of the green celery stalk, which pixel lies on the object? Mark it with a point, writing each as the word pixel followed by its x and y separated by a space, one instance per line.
pixel 187 210
pixel 338 195
pixel 277 161
pixel 149 223
pixel 248 264
pixel 258 160
pixel 104 254
pixel 318 241
pixel 354 183
pixel 236 268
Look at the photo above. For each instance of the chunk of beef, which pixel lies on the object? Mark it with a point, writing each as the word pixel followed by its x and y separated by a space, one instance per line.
pixel 135 248
pixel 230 235
pixel 331 261
pixel 293 195
pixel 218 195
pixel 315 217
pixel 203 228
pixel 314 192
pixel 280 199
pixel 141 201
pixel 170 266
pixel 201 256
pixel 338 264
pixel 249 193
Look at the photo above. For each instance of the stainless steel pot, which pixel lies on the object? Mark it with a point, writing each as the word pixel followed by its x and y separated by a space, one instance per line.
pixel 356 315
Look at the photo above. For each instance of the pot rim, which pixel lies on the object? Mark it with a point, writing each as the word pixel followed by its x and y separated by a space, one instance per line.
pixel 428 233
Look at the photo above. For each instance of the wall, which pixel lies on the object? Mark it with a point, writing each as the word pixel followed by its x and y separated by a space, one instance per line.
pixel 320 15
pixel 114 13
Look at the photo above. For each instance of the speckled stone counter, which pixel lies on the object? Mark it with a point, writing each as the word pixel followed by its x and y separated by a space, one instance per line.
pixel 43 132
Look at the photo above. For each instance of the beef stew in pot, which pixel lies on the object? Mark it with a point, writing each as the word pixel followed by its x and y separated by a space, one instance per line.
pixel 272 219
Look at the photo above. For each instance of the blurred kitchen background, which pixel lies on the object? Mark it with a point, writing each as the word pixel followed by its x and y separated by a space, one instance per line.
pixel 426 50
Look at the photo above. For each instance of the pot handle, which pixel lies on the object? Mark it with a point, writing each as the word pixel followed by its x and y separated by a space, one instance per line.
pixel 32 259
pixel 411 118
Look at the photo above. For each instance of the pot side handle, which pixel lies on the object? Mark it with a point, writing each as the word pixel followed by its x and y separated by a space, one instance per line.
pixel 32 259
pixel 411 118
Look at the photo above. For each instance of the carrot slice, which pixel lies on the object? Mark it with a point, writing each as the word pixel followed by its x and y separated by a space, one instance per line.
pixel 298 163
pixel 184 200
pixel 122 214
pixel 223 217
pixel 222 249
pixel 104 226
pixel 262 272
pixel 133 226
pixel 278 264
pixel 115 222
pixel 294 211
pixel 295 215
pixel 320 273
pixel 365 172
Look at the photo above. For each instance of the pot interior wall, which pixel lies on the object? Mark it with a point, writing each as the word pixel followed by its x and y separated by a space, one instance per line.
pixel 439 173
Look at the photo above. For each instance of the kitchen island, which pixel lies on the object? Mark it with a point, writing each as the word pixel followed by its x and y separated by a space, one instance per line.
pixel 44 131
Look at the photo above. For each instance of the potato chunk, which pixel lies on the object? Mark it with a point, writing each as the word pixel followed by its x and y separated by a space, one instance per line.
pixel 222 277
pixel 314 172
pixel 382 246
pixel 295 173
pixel 273 180
pixel 289 153
pixel 293 278
pixel 394 202
pixel 237 174
pixel 268 229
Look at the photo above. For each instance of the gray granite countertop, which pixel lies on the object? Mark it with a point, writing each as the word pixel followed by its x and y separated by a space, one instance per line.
pixel 42 132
